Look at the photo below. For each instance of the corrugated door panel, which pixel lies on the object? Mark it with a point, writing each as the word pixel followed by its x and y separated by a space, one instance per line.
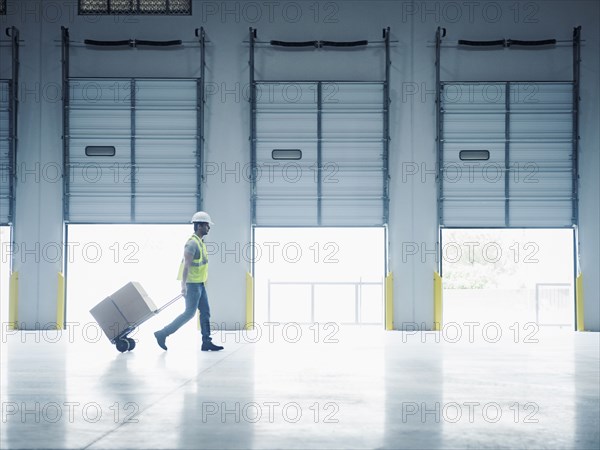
pixel 473 112
pixel 94 94
pixel 541 167
pixel 465 178
pixel 279 212
pixel 97 175
pixel 544 97
pixel 286 118
pixel 289 179
pixel 99 115
pixel 548 213
pixel 161 186
pixel 99 124
pixel 286 126
pixel 354 169
pixel 5 170
pixel 549 154
pixel 470 128
pixel 160 208
pixel 286 190
pixel 165 124
pixel 352 126
pixel 164 166
pixel 473 119
pixel 473 213
pixel 346 211
pixel 170 180
pixel 473 96
pixel 540 127
pixel 100 208
pixel 166 146
pixel 352 184
pixel 539 188
pixel 166 94
pixel 352 154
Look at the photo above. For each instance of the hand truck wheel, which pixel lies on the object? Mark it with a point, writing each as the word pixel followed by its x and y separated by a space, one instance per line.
pixel 131 343
pixel 122 344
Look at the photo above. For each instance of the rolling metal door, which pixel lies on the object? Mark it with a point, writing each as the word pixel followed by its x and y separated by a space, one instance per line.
pixel 6 163
pixel 352 149
pixel 286 119
pixel 339 180
pixel 541 155
pixel 152 177
pixel 473 119
pixel 525 178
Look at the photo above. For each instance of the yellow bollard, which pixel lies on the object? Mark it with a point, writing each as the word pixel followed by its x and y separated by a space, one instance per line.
pixel 249 302
pixel 60 302
pixel 389 301
pixel 13 301
pixel 579 303
pixel 437 301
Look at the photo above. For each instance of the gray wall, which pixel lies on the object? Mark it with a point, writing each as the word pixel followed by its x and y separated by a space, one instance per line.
pixel 413 198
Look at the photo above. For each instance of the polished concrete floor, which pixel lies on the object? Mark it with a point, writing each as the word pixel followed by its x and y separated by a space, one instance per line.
pixel 326 388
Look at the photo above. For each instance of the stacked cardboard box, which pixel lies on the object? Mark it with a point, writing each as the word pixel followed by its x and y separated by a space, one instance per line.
pixel 127 307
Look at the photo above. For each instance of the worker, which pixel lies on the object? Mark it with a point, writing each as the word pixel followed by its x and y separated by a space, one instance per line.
pixel 193 273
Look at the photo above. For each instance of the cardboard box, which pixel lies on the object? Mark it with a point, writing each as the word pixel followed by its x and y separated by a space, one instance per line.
pixel 109 318
pixel 134 302
pixel 127 307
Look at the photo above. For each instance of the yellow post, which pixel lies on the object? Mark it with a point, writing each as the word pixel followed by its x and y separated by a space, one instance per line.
pixel 389 301
pixel 13 301
pixel 249 302
pixel 60 302
pixel 437 301
pixel 579 302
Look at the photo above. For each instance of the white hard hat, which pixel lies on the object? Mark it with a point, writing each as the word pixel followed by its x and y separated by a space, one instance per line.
pixel 201 216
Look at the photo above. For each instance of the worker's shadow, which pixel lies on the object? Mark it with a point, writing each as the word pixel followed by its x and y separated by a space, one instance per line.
pixel 123 380
pixel 128 378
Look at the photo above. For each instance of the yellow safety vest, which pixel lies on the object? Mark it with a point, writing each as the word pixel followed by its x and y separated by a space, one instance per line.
pixel 198 271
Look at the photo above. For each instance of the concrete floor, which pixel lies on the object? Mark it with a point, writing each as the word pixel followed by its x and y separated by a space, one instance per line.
pixel 370 389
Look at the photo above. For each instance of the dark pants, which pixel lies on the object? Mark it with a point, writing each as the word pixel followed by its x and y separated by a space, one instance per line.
pixel 195 299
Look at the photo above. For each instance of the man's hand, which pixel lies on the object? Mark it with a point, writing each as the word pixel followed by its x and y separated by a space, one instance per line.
pixel 183 288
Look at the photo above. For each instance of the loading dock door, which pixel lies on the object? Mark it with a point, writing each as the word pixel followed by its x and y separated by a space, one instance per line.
pixel 320 154
pixel 507 155
pixel 133 151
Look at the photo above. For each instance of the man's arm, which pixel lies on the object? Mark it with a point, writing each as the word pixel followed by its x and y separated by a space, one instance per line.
pixel 187 262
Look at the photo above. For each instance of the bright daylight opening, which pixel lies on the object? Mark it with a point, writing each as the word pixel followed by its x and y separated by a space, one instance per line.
pixel 508 277
pixel 4 272
pixel 322 275
pixel 103 258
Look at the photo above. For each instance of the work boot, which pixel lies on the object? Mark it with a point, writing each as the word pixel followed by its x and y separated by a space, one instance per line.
pixel 160 339
pixel 210 347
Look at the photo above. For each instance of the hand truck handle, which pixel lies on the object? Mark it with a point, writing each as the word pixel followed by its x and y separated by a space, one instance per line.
pixel 169 303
